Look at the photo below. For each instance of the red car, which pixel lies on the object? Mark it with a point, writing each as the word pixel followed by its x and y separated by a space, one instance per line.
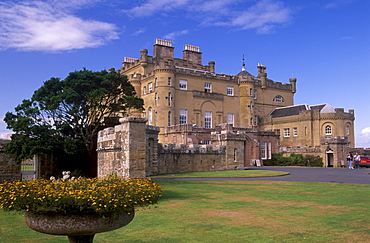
pixel 365 161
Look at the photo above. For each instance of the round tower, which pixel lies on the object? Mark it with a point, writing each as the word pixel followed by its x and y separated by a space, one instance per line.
pixel 246 97
pixel 165 99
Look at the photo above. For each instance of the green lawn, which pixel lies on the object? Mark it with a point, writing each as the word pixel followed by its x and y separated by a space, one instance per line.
pixel 235 211
pixel 226 173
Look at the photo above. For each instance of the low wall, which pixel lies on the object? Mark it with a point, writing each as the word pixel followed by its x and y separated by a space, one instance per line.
pixel 173 159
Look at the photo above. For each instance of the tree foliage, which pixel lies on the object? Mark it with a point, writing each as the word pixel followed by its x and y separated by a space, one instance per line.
pixel 66 115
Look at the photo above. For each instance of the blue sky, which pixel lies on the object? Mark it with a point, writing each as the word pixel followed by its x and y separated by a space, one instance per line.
pixel 322 43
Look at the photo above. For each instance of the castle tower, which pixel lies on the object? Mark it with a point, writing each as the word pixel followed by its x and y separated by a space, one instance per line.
pixel 165 81
pixel 246 97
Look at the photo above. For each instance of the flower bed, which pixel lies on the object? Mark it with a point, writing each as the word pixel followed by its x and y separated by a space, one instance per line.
pixel 78 196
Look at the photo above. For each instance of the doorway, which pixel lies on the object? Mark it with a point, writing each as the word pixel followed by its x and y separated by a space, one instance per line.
pixel 329 158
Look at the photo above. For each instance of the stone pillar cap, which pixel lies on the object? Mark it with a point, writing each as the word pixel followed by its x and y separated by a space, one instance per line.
pixel 133 119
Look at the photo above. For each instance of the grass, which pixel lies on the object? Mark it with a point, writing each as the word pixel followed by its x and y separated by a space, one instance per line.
pixel 235 211
pixel 225 173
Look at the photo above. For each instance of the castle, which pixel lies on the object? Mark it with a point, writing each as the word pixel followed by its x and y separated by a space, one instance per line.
pixel 190 102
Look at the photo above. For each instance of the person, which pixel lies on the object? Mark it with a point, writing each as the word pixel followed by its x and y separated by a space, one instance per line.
pixel 349 160
pixel 357 159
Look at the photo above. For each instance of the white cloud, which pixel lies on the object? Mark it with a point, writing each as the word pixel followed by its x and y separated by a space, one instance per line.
pixel 50 26
pixel 152 6
pixel 363 139
pixel 5 134
pixel 173 35
pixel 262 15
pixel 337 3
pixel 139 31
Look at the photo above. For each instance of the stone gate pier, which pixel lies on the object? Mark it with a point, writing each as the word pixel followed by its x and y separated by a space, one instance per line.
pixel 122 149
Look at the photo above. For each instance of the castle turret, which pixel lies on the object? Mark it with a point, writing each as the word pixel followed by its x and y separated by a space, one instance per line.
pixel 293 82
pixel 246 97
pixel 144 57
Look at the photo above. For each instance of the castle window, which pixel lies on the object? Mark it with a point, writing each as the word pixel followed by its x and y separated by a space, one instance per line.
pixel 208 87
pixel 169 118
pixel 230 91
pixel 156 99
pixel 263 150
pixel 207 119
pixel 183 116
pixel 278 99
pixel 230 118
pixel 277 131
pixel 150 87
pixel 328 130
pixel 183 84
pixel 169 98
pixel 169 81
pixel 295 131
pixel 144 90
pixel 269 150
pixel 255 94
pixel 286 132
pixel 250 92
pixel 347 130
pixel 150 116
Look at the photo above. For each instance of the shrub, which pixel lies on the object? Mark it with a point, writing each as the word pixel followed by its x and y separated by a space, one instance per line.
pixel 279 159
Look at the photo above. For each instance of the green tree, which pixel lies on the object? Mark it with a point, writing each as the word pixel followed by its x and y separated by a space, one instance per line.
pixel 66 115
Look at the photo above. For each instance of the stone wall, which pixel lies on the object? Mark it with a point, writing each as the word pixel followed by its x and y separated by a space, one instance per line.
pixel 131 149
pixel 172 159
pixel 7 163
pixel 9 169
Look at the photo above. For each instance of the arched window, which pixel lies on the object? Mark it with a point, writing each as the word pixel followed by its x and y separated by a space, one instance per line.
pixel 328 130
pixel 278 99
pixel 347 130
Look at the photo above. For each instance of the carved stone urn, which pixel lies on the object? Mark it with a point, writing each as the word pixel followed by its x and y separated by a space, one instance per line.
pixel 79 228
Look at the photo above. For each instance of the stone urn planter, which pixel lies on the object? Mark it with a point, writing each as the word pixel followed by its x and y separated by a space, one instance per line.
pixel 78 228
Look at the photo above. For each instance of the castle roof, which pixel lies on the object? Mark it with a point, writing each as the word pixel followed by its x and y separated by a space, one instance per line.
pixel 296 109
pixel 244 74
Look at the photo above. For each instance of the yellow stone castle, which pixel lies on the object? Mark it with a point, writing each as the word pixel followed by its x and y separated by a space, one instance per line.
pixel 184 91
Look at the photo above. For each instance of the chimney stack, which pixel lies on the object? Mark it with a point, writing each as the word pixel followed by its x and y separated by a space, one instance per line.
pixel 192 54
pixel 163 49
